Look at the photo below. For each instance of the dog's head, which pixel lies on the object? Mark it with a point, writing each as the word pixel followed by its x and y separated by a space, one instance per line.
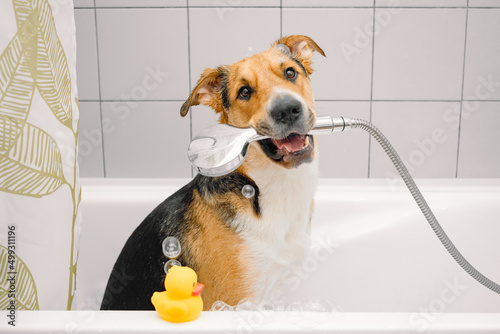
pixel 269 91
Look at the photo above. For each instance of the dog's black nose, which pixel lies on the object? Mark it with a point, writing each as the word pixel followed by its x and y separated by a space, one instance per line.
pixel 286 110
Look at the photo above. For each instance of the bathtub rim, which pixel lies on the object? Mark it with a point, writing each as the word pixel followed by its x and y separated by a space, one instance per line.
pixel 312 322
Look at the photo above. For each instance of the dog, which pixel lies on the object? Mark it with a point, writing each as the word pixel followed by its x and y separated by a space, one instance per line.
pixel 238 246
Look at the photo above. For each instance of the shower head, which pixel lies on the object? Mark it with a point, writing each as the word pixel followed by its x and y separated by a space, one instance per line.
pixel 220 149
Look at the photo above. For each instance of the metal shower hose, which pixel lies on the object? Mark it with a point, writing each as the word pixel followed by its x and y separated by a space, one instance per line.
pixel 422 204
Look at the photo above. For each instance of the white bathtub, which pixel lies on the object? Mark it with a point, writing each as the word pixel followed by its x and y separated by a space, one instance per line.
pixel 374 257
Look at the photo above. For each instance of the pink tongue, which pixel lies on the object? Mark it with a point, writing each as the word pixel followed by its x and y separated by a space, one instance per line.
pixel 294 144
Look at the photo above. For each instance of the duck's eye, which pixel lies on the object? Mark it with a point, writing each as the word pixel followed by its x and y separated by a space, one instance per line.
pixel 244 93
pixel 290 73
pixel 194 283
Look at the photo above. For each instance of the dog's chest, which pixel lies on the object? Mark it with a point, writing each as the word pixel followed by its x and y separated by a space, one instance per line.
pixel 280 238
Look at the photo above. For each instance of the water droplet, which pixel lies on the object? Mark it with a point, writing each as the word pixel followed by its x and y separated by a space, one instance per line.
pixel 171 247
pixel 248 191
pixel 249 52
pixel 170 264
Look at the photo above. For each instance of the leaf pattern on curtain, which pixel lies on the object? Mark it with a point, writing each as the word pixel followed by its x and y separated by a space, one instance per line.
pixel 52 75
pixel 30 159
pixel 16 89
pixel 26 296
pixel 33 167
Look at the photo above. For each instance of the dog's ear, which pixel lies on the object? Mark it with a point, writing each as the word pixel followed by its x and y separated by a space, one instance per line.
pixel 301 48
pixel 208 91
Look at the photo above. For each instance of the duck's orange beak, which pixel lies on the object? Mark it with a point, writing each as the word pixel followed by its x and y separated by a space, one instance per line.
pixel 197 289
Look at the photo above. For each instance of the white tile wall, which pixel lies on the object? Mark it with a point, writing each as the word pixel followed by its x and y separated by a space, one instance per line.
pixel 484 66
pixel 425 72
pixel 213 44
pixel 143 53
pixel 224 5
pixel 83 3
pixel 342 75
pixel 421 134
pixel 484 3
pixel 146 139
pixel 420 3
pixel 87 69
pixel 141 3
pixel 344 154
pixel 327 3
pixel 90 140
pixel 480 141
pixel 419 64
pixel 202 117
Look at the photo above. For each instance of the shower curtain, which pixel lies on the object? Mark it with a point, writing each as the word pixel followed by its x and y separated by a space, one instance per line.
pixel 39 186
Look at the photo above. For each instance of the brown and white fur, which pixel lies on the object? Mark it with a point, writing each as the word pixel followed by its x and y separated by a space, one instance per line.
pixel 238 246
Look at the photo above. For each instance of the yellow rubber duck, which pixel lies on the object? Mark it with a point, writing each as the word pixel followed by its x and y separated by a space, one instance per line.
pixel 181 301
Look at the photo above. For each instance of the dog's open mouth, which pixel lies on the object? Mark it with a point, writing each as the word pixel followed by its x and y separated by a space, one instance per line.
pixel 291 151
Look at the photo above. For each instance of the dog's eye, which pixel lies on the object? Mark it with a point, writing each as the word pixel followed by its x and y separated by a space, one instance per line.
pixel 244 93
pixel 290 73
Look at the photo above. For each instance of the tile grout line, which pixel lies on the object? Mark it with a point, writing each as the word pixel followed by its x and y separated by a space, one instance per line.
pixel 189 76
pixel 281 18
pixel 294 7
pixel 99 90
pixel 462 95
pixel 317 100
pixel 371 89
pixel 136 101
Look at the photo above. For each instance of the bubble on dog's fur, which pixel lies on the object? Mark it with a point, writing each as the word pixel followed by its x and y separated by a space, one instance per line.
pixel 170 264
pixel 248 191
pixel 171 247
pixel 283 49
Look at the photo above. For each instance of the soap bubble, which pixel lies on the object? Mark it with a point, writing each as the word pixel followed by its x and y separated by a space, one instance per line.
pixel 295 306
pixel 283 49
pixel 248 191
pixel 171 247
pixel 221 306
pixel 265 305
pixel 246 304
pixel 317 305
pixel 170 264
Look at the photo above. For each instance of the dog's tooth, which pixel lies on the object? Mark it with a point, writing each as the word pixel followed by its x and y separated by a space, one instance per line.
pixel 307 141
pixel 287 149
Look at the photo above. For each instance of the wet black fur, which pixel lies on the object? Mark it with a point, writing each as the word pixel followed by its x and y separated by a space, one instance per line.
pixel 223 73
pixel 138 271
